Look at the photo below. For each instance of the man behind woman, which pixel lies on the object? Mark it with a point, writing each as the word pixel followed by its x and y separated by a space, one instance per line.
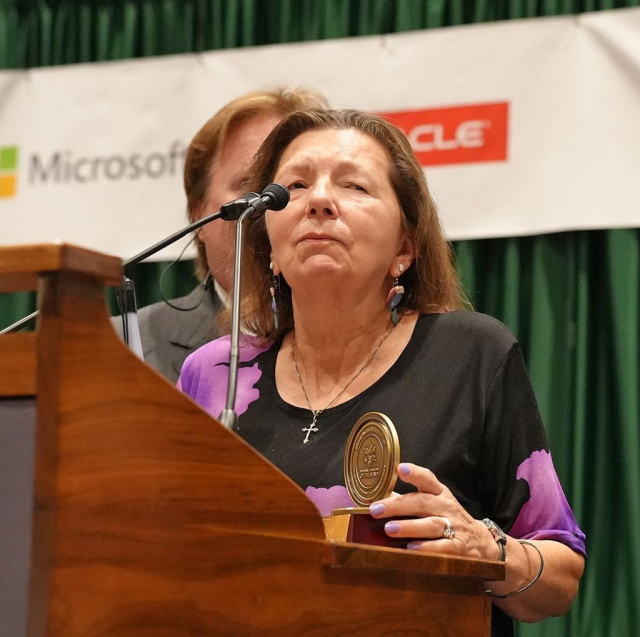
pixel 215 172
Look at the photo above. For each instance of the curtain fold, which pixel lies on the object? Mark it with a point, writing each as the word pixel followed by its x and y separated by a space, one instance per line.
pixel 572 299
pixel 50 32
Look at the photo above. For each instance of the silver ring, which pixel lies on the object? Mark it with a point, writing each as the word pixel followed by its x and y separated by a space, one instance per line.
pixel 449 532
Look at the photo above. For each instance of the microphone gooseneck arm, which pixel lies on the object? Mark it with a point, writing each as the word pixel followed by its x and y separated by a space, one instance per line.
pixel 274 197
pixel 228 212
pixel 145 254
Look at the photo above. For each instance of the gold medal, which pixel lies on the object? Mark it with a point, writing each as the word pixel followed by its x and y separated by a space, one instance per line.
pixel 370 459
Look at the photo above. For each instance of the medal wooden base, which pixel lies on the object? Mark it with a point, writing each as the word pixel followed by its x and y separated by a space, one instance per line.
pixel 355 524
pixel 371 458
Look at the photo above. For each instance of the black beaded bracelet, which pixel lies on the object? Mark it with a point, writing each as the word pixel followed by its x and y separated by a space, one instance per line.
pixel 532 582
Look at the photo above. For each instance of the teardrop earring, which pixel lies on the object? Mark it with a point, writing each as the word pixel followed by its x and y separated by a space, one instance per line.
pixel 395 296
pixel 275 290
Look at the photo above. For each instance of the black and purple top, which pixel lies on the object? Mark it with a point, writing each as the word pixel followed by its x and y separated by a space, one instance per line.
pixel 462 403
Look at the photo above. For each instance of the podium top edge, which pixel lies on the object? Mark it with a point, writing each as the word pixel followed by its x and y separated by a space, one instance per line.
pixel 20 265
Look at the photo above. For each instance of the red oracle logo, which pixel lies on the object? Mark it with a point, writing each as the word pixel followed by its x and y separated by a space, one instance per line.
pixel 456 134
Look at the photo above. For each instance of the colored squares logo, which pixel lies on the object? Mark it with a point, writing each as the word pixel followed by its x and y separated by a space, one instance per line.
pixel 8 169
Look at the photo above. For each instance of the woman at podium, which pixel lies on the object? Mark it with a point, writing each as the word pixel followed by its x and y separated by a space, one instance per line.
pixel 355 307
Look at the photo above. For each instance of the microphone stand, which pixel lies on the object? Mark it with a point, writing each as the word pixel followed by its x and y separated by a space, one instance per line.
pixel 126 297
pixel 228 416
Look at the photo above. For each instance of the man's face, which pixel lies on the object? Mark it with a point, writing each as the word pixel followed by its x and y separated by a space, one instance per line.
pixel 228 182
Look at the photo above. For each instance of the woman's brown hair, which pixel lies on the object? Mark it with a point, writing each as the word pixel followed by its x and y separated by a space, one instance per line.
pixel 431 284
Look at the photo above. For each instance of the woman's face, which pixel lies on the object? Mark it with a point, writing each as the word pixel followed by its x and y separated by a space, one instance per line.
pixel 343 220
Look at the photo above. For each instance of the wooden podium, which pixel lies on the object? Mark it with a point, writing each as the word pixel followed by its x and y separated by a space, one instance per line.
pixel 126 510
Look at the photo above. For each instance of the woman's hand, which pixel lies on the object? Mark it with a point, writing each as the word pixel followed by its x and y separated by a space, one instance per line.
pixel 434 505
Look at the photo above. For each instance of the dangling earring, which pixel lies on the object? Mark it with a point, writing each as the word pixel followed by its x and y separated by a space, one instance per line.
pixel 275 290
pixel 395 296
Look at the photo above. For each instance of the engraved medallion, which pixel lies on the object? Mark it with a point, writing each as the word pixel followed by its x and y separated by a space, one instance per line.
pixel 370 459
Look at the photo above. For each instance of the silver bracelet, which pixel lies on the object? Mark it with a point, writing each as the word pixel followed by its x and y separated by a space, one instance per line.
pixel 532 582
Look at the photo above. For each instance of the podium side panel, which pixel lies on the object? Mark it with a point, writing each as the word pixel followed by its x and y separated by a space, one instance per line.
pixel 17 432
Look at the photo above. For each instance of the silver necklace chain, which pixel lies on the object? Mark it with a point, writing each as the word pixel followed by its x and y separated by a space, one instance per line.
pixel 316 412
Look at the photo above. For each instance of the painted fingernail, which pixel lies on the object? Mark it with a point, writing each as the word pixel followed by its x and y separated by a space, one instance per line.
pixel 414 546
pixel 376 508
pixel 391 527
pixel 404 469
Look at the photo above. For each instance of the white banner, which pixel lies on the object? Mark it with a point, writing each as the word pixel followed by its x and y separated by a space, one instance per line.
pixel 523 127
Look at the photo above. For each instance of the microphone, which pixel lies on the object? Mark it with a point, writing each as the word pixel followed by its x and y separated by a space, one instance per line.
pixel 273 197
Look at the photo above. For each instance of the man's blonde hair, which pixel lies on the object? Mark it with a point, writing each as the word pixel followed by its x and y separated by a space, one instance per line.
pixel 203 150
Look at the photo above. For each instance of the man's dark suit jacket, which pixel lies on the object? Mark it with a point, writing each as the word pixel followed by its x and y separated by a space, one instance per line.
pixel 169 335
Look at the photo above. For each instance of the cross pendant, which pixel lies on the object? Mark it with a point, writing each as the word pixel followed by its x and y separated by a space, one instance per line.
pixel 311 428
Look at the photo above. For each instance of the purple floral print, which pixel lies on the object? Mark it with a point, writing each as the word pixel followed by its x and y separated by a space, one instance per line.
pixel 326 500
pixel 205 373
pixel 547 515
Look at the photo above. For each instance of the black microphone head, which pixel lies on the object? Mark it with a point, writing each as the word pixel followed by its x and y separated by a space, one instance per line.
pixel 279 196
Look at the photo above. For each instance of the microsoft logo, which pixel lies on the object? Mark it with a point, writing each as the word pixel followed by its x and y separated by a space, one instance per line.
pixel 63 167
pixel 8 168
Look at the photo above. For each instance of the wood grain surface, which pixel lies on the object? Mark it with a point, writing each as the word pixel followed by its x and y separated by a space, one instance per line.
pixel 151 518
pixel 18 364
pixel 21 265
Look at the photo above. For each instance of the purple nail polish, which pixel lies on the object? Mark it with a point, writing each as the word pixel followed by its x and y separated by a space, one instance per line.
pixel 391 527
pixel 404 469
pixel 376 508
pixel 414 546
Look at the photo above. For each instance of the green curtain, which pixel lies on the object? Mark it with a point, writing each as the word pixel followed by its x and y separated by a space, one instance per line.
pixel 46 32
pixel 573 299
